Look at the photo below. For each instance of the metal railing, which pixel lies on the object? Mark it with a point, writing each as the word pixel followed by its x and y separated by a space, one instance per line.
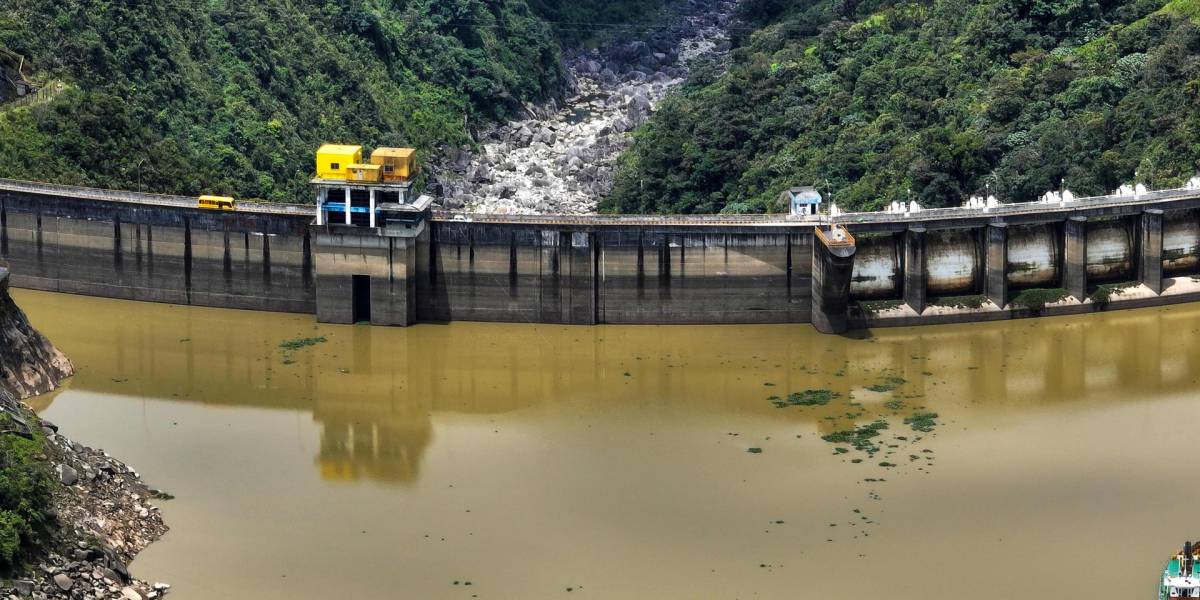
pixel 755 220
pixel 617 220
pixel 846 241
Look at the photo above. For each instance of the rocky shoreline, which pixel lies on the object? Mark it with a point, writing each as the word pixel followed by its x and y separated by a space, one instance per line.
pixel 562 158
pixel 104 519
pixel 100 514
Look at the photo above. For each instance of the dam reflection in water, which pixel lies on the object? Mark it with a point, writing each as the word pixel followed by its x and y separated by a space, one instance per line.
pixel 373 391
pixel 387 463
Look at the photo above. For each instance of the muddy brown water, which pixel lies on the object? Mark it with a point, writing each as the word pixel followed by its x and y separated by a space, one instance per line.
pixel 537 461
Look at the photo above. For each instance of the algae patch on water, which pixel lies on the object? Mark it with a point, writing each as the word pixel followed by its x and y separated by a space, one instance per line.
pixel 922 421
pixel 859 437
pixel 298 343
pixel 805 398
pixel 888 384
pixel 287 347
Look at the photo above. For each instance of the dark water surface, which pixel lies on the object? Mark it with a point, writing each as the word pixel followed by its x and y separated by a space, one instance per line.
pixel 612 461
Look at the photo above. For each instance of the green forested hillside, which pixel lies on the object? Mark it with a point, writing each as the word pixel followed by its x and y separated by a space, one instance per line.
pixel 189 96
pixel 577 21
pixel 872 98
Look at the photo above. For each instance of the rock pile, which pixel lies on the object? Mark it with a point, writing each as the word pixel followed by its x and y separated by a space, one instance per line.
pixel 102 507
pixel 561 158
pixel 105 520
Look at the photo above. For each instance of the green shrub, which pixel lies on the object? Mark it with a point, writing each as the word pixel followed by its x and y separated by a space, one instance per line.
pixel 1105 291
pixel 26 489
pixel 12 530
pixel 973 302
pixel 1036 299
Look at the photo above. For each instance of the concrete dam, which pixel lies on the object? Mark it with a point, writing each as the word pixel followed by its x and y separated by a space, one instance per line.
pixel 853 271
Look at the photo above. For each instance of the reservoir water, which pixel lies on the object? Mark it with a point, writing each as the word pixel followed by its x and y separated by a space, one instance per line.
pixel 534 461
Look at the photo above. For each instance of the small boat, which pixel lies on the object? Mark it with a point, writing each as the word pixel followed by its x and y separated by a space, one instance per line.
pixel 1181 578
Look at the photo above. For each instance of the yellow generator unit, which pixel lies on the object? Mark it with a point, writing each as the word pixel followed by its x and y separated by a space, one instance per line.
pixel 364 173
pixel 334 159
pixel 399 164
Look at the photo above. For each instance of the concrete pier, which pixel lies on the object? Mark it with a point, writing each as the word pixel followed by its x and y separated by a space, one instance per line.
pixel 1075 257
pixel 832 267
pixel 1150 250
pixel 914 268
pixel 567 287
pixel 365 276
pixel 995 279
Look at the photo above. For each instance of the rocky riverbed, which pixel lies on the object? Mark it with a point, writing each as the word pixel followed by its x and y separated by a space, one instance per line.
pixel 561 158
pixel 101 516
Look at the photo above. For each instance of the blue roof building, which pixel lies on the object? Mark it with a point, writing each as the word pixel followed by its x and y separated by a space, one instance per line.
pixel 801 201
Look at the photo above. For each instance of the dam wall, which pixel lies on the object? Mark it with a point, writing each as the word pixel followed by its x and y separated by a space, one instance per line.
pixel 936 266
pixel 157 253
pixel 166 250
pixel 539 273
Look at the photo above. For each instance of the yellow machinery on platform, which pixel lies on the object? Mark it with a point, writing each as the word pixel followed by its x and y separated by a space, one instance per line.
pixel 216 203
pixel 334 160
pixel 364 173
pixel 337 162
pixel 399 164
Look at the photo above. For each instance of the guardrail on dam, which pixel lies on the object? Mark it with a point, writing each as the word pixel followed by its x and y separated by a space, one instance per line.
pixel 934 266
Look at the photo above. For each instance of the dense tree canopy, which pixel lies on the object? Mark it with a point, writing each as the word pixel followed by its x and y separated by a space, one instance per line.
pixel 194 96
pixel 581 21
pixel 870 99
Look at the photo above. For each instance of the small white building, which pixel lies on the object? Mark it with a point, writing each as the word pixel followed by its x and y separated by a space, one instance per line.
pixel 802 201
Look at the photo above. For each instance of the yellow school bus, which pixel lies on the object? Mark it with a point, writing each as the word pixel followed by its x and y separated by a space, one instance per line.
pixel 216 203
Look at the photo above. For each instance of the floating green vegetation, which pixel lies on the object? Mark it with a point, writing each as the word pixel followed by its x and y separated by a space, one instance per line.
pixel 922 421
pixel 287 347
pixel 1037 298
pixel 299 343
pixel 805 398
pixel 1105 291
pixel 888 384
pixel 974 301
pixel 859 437
pixel 894 404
